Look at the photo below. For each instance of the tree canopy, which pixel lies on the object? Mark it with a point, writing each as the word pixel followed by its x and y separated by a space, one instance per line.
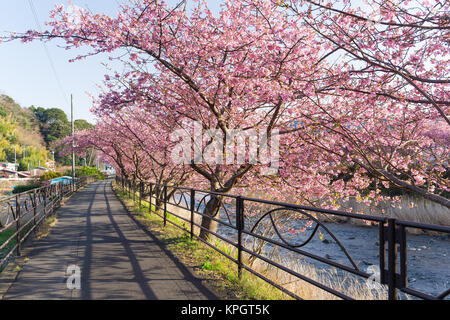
pixel 28 134
pixel 358 101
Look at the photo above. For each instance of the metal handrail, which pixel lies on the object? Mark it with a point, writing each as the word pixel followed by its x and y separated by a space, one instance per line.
pixel 392 236
pixel 28 210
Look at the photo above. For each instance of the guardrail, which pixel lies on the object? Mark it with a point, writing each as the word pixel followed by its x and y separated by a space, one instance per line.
pixel 25 211
pixel 237 215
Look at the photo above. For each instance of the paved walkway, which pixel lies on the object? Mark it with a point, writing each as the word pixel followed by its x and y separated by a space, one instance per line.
pixel 117 259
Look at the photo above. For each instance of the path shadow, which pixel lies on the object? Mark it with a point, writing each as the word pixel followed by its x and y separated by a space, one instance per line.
pixel 97 232
pixel 187 274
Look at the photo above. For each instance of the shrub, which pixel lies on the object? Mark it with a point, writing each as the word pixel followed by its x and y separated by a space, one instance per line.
pixel 26 187
pixel 86 171
pixel 49 175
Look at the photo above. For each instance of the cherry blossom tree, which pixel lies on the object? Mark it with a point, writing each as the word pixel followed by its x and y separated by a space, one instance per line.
pixel 354 102
pixel 228 72
pixel 390 61
pixel 389 48
pixel 136 145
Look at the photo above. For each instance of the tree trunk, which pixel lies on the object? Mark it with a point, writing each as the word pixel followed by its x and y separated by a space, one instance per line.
pixel 212 209
pixel 159 198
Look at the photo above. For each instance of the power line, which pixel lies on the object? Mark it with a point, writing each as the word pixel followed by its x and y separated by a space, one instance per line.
pixel 47 52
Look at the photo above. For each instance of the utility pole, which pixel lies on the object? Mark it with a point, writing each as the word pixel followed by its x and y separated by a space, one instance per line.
pixel 73 142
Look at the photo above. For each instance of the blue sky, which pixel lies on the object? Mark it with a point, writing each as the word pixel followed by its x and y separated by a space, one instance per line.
pixel 25 71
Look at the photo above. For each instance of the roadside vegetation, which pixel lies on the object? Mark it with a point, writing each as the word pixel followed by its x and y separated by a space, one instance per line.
pixel 47 224
pixel 49 175
pixel 26 187
pixel 5 235
pixel 85 172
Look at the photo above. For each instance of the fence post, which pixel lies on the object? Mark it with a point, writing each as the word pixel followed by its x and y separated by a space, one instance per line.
pixel 58 194
pixel 129 189
pixel 150 198
pixel 45 201
pixel 165 205
pixel 34 208
pixel 192 212
pixel 18 224
pixel 55 198
pixel 141 191
pixel 51 199
pixel 392 260
pixel 240 227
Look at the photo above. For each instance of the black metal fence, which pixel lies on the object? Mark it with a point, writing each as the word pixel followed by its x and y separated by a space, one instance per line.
pixel 23 213
pixel 247 221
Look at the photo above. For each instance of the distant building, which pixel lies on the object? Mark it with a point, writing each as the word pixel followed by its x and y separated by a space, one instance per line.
pixel 23 174
pixel 8 174
pixel 50 164
pixel 38 171
pixel 12 174
pixel 9 166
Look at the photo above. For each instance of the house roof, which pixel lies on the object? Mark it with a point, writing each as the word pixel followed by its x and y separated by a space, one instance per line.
pixel 24 174
pixel 8 170
pixel 19 173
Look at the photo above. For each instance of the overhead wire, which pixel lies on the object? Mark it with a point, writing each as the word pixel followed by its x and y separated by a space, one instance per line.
pixel 47 52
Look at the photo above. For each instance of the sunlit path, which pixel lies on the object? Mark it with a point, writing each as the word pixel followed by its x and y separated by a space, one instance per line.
pixel 117 259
